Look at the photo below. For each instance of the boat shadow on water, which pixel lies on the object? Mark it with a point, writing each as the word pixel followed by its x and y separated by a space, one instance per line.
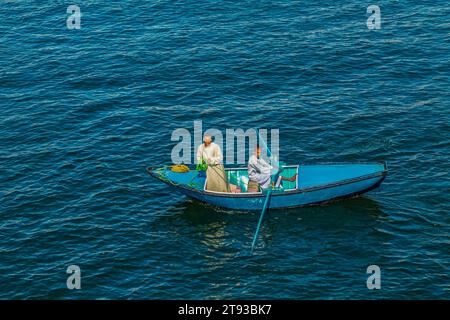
pixel 199 212
pixel 215 225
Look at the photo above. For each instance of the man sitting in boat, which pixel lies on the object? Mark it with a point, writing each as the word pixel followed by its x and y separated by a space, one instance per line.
pixel 258 172
pixel 209 152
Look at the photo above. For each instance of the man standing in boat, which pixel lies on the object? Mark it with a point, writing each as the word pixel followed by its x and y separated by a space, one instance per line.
pixel 209 152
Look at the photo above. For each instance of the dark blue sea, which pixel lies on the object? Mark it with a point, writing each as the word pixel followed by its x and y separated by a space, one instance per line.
pixel 84 111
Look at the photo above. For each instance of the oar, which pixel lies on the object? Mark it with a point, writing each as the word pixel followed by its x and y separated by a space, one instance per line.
pixel 265 202
pixel 264 143
pixel 261 218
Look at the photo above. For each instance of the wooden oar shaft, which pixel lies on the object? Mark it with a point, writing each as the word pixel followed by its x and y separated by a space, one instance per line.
pixel 264 143
pixel 255 237
pixel 261 219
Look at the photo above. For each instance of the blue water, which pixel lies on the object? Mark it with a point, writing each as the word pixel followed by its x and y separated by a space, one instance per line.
pixel 83 112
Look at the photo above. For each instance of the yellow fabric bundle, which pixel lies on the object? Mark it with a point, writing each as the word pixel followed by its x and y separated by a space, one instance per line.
pixel 180 168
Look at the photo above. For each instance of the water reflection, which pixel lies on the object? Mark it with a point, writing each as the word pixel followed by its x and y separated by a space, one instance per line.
pixel 221 228
pixel 215 243
pixel 198 213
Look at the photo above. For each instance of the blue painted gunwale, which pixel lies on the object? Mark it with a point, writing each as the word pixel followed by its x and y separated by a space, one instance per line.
pixel 302 196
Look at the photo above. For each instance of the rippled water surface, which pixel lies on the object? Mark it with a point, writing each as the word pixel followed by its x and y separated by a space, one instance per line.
pixel 82 112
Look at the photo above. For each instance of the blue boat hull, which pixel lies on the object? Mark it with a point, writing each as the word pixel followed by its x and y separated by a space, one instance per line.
pixel 318 184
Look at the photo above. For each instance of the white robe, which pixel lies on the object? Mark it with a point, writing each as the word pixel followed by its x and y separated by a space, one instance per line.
pixel 212 153
pixel 216 179
pixel 259 171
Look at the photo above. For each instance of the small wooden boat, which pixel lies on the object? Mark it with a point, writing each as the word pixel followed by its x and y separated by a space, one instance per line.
pixel 313 184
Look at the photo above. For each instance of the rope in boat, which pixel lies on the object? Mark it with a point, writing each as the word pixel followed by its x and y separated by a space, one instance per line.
pixel 179 169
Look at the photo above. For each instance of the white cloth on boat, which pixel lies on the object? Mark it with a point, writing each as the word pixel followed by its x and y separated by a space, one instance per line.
pixel 259 171
pixel 216 179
